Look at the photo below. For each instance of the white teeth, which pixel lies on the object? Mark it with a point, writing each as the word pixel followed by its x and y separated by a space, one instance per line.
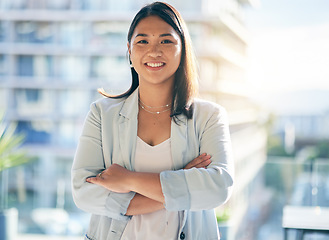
pixel 154 64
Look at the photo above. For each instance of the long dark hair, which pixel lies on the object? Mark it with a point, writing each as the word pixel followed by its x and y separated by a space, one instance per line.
pixel 186 85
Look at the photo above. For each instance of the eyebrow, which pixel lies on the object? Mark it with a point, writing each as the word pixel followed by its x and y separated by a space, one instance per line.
pixel 161 35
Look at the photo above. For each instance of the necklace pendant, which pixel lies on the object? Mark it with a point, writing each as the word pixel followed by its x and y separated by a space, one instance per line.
pixel 155 112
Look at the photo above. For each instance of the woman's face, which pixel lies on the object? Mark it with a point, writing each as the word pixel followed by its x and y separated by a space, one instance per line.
pixel 155 51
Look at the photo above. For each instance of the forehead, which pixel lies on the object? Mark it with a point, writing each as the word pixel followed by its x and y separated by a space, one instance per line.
pixel 153 25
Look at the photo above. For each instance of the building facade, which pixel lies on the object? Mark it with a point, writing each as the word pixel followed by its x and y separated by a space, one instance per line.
pixel 54 54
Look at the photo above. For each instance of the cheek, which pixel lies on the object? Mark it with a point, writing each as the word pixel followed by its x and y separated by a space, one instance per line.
pixel 135 52
pixel 134 57
pixel 178 56
pixel 172 51
pixel 178 51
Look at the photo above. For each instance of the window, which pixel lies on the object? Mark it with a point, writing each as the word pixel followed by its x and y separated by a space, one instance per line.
pixel 72 34
pixel 109 35
pixel 113 6
pixel 43 66
pixel 36 131
pixel 3 99
pixel 34 32
pixel 25 66
pixel 32 95
pixel 73 68
pixel 3 65
pixel 2 31
pixel 16 4
pixel 59 4
pixel 91 4
pixel 112 73
pixel 34 102
pixel 100 67
pixel 74 102
pixel 68 133
pixel 36 66
pixel 107 67
pixel 36 4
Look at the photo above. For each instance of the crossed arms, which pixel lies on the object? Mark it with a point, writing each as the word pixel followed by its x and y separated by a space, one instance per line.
pixel 147 186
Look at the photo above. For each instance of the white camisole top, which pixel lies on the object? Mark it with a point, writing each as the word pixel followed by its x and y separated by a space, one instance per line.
pixel 161 224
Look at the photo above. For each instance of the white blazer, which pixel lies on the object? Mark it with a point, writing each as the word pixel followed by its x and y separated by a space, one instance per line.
pixel 109 136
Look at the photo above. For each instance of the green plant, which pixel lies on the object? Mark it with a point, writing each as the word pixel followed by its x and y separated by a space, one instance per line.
pixel 11 154
pixel 322 149
pixel 275 147
pixel 223 215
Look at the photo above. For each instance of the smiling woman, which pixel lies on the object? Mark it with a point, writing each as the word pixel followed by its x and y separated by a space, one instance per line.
pixel 154 161
pixel 155 51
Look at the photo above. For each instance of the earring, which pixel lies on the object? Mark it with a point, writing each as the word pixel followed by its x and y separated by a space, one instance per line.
pixel 130 62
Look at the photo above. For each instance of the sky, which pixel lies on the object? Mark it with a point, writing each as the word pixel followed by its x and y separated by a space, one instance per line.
pixel 289 45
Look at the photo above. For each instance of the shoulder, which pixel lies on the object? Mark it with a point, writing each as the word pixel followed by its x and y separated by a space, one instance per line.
pixel 204 107
pixel 111 108
pixel 209 116
pixel 207 113
pixel 105 104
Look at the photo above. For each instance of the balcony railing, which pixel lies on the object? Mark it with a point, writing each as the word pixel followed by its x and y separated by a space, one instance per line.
pixel 296 183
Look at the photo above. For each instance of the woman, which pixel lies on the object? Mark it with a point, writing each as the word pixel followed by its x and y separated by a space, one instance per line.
pixel 154 162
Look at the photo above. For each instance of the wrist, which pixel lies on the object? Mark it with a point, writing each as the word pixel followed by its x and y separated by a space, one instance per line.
pixel 133 180
pixel 146 184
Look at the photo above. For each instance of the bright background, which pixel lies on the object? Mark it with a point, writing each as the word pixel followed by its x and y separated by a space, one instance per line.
pixel 289 52
pixel 265 63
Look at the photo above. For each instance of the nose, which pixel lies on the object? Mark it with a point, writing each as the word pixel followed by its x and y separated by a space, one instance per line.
pixel 155 51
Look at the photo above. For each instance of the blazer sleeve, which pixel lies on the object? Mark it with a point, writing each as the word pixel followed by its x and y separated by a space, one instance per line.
pixel 199 188
pixel 89 161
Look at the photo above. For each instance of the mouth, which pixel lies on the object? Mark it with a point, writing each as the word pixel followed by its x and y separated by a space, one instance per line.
pixel 155 65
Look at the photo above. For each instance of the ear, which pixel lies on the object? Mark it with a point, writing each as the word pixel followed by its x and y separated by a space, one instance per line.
pixel 128 46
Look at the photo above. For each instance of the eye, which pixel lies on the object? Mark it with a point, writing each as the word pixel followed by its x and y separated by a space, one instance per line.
pixel 166 41
pixel 142 42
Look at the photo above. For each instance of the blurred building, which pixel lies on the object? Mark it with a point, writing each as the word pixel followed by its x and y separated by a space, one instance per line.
pixel 303 130
pixel 301 118
pixel 221 41
pixel 54 54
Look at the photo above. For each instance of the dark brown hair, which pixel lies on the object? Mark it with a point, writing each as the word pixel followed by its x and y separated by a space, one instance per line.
pixel 186 85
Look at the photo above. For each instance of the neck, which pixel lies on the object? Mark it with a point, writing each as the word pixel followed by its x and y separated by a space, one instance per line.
pixel 155 97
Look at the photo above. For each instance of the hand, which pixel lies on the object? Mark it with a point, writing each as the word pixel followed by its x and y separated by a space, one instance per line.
pixel 200 162
pixel 115 178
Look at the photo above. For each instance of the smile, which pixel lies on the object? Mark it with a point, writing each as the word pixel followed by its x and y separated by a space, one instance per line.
pixel 155 65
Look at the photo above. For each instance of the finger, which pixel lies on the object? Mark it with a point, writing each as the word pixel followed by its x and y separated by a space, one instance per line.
pixel 198 160
pixel 99 175
pixel 188 166
pixel 94 180
pixel 204 164
pixel 192 164
pixel 205 161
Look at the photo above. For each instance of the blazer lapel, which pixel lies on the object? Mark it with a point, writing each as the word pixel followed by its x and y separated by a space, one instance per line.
pixel 179 142
pixel 128 130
